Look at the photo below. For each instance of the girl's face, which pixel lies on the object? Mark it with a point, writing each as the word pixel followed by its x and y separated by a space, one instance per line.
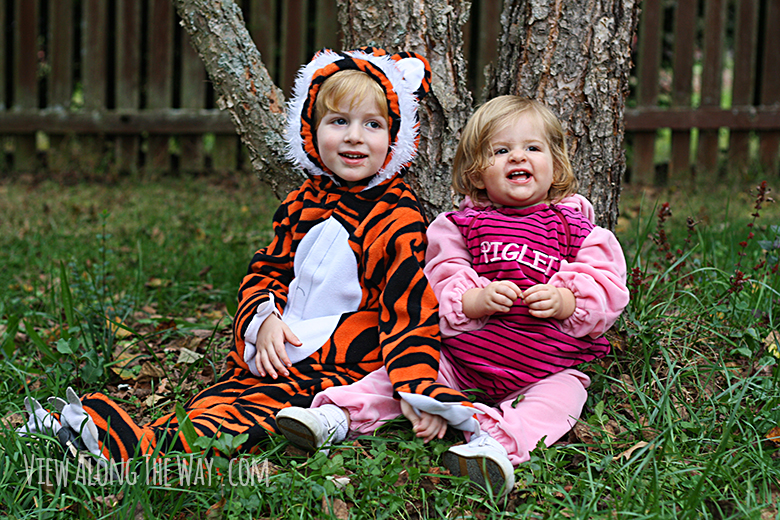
pixel 522 169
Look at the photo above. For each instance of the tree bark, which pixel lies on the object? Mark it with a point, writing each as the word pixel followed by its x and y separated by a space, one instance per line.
pixel 576 58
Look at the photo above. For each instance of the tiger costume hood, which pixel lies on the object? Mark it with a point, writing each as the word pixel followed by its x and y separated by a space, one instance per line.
pixel 405 79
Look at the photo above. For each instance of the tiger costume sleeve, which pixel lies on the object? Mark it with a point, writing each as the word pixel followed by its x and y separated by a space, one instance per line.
pixel 270 273
pixel 409 319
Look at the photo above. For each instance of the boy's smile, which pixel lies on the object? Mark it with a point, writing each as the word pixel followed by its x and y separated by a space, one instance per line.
pixel 522 169
pixel 353 141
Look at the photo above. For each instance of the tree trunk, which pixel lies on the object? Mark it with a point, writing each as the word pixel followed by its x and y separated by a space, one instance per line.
pixel 434 29
pixel 574 56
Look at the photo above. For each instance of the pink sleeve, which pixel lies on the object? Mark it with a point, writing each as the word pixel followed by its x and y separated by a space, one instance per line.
pixel 597 277
pixel 448 269
pixel 581 204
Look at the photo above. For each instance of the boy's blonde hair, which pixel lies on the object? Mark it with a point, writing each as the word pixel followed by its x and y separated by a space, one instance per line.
pixel 475 152
pixel 355 85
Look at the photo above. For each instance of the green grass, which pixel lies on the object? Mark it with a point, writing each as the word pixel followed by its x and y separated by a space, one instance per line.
pixel 103 286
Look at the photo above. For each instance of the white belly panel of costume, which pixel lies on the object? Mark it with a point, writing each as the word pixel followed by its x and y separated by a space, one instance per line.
pixel 325 287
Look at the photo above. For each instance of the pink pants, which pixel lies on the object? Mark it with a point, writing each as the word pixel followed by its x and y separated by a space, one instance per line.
pixel 549 408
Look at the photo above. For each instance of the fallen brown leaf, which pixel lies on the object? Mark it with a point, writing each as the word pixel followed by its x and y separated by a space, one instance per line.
pixel 774 435
pixel 630 451
pixel 340 508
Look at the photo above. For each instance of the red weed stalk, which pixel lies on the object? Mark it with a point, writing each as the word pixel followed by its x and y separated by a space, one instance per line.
pixel 738 279
pixel 661 239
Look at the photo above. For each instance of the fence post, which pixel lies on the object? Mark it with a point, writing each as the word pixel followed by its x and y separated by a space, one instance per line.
pixel 682 78
pixel 643 171
pixel 711 84
pixel 745 40
pixel 25 92
pixel 159 86
pixel 193 95
pixel 128 78
pixel 770 87
pixel 4 31
pixel 93 65
pixel 60 80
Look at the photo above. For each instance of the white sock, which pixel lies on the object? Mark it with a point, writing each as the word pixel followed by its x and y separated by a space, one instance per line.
pixel 334 419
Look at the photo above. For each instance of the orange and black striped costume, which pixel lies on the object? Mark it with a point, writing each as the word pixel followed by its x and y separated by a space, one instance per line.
pixel 345 270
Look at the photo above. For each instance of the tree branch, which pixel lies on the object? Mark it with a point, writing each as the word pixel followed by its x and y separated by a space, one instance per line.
pixel 243 86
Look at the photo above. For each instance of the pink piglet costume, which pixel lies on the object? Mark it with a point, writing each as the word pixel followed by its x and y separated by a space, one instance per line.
pixel 550 404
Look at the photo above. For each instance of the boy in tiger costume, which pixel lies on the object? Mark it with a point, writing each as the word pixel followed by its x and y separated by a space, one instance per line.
pixel 340 290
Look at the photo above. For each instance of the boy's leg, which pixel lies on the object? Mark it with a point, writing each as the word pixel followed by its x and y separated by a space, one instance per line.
pixel 362 406
pixel 546 409
pixel 359 407
pixel 369 402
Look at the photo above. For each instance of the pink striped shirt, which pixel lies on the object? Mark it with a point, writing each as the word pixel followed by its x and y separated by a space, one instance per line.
pixel 527 246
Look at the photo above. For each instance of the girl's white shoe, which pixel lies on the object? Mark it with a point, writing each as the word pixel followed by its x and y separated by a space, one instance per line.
pixel 485 461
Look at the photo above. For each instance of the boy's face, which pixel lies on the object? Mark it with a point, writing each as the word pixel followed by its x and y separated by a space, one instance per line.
pixel 522 169
pixel 353 142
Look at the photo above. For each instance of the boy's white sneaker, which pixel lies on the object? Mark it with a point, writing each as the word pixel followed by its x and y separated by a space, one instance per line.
pixel 312 428
pixel 485 461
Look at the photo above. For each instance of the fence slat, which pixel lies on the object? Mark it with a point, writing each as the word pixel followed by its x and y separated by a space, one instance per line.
pixel 326 27
pixel 128 78
pixel 711 82
pixel 60 79
pixel 643 171
pixel 25 89
pixel 93 77
pixel 60 54
pixel 264 30
pixel 193 95
pixel 682 79
pixel 160 81
pixel 95 59
pixel 293 22
pixel 770 86
pixel 487 40
pixel 5 29
pixel 745 39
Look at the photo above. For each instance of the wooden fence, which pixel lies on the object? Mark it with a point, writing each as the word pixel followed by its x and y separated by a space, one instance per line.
pixel 114 86
pixel 706 98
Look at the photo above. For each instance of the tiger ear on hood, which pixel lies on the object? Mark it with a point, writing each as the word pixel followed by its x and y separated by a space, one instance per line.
pixel 416 71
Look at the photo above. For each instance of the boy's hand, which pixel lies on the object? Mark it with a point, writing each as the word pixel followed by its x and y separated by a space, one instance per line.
pixel 271 355
pixel 548 301
pixel 496 297
pixel 428 426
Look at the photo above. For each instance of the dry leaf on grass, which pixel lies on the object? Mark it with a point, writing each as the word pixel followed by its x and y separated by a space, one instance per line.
pixel 13 420
pixel 583 432
pixel 774 435
pixel 772 343
pixel 150 370
pixel 188 357
pixel 630 451
pixel 340 508
pixel 215 511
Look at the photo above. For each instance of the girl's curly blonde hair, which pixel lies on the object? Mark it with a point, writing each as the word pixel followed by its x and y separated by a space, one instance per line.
pixel 475 152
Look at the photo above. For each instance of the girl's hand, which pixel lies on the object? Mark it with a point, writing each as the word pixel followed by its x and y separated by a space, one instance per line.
pixel 428 426
pixel 496 297
pixel 271 355
pixel 548 301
